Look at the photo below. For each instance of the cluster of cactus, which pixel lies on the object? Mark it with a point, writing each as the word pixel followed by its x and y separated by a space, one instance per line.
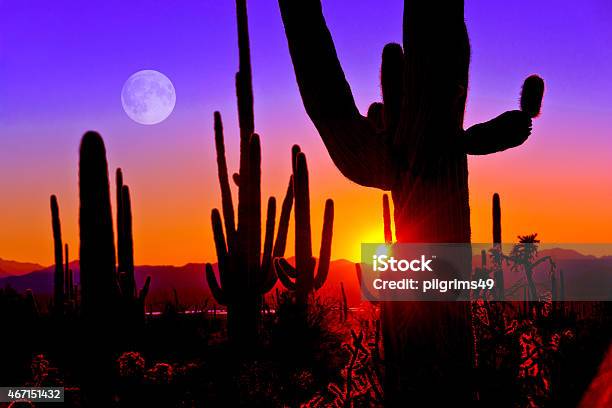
pixel 64 290
pixel 105 293
pixel 301 278
pixel 244 274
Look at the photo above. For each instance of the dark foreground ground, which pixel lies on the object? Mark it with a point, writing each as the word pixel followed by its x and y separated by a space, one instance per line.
pixel 536 355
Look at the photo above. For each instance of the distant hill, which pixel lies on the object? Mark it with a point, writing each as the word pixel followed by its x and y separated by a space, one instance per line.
pixel 188 280
pixel 583 274
pixel 10 268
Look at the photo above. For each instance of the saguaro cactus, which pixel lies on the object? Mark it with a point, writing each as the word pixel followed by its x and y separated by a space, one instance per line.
pixel 244 274
pixel 99 291
pixel 498 272
pixel 305 282
pixel 58 275
pixel 418 150
pixel 134 301
pixel 243 277
pixel 97 252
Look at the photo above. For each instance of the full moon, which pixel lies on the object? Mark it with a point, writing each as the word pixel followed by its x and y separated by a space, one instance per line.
pixel 148 97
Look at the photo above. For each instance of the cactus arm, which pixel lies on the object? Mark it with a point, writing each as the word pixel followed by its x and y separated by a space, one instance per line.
pixel 226 193
pixel 283 273
pixel 508 130
pixel 215 289
pixel 66 273
pixel 128 243
pixel 288 269
pixel 118 198
pixel 267 273
pixel 376 116
pixel 350 138
pixel 220 246
pixel 295 150
pixel 145 290
pixel 392 84
pixel 283 222
pixel 326 242
pixel 531 95
pixel 303 241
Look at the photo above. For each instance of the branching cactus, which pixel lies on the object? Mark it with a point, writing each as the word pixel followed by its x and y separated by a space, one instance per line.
pixel 244 274
pixel 302 278
pixel 414 145
pixel 105 290
pixel 244 277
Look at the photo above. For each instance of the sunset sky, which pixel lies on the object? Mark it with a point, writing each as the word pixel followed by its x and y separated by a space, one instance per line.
pixel 63 64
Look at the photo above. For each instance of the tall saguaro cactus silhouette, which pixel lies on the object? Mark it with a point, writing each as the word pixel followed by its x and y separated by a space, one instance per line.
pixel 414 145
pixel 244 274
pixel 97 251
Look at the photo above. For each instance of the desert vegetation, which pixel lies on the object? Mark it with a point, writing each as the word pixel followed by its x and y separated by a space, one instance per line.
pixel 269 335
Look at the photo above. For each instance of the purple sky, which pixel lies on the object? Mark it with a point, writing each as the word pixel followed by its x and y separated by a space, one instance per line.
pixel 63 63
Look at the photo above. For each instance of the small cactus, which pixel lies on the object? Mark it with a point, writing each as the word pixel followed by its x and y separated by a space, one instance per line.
pixel 345 308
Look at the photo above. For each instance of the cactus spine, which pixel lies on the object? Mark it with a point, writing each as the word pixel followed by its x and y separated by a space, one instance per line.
pixel 302 278
pixel 244 274
pixel 58 276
